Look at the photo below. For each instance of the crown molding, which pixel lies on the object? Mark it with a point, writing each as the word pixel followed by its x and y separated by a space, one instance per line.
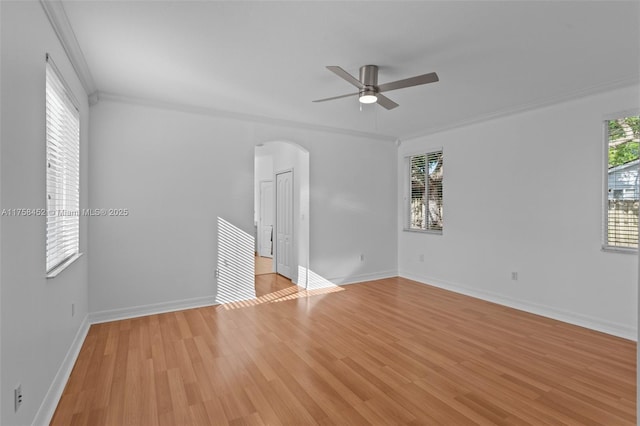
pixel 54 10
pixel 629 81
pixel 99 96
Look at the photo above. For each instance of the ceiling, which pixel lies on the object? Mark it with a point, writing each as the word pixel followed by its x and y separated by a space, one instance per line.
pixel 268 59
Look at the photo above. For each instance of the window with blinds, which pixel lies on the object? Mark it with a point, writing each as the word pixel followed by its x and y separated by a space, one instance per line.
pixel 622 194
pixel 63 173
pixel 425 191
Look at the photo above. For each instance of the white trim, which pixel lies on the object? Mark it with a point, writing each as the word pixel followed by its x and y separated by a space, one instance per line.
pixel 625 113
pixel 69 92
pixel 64 265
pixel 53 395
pixel 423 231
pixel 614 249
pixel 63 29
pixel 604 195
pixel 61 26
pixel 355 279
pixel 592 323
pixel 151 309
pixel 407 155
pixel 629 81
pixel 192 109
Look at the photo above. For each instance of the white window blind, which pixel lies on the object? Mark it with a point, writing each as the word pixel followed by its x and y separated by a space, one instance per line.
pixel 425 191
pixel 622 192
pixel 63 172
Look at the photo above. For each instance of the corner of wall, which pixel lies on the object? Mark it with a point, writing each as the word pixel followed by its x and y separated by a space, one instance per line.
pixel 53 395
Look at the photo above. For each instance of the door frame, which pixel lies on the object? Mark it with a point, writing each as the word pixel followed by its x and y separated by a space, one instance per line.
pixel 275 218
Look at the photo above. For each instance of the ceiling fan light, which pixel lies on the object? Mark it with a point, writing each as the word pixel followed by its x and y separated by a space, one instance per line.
pixel 368 98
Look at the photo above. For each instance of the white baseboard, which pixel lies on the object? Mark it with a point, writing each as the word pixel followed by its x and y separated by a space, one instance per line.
pixel 53 395
pixel 198 302
pixel 151 309
pixel 354 279
pixel 597 324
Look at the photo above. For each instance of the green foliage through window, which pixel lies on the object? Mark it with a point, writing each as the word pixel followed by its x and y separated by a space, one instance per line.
pixel 623 140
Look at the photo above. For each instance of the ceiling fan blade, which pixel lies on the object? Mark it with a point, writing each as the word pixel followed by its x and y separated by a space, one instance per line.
pixel 408 82
pixel 386 102
pixel 335 97
pixel 345 76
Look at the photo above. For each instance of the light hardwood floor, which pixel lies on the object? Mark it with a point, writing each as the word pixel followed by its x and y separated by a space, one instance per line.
pixel 263 265
pixel 384 352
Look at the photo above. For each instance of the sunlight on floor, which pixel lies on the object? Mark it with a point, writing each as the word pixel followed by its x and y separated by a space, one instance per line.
pixel 290 293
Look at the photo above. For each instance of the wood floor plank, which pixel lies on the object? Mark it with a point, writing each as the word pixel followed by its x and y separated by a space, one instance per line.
pixel 389 351
pixel 215 412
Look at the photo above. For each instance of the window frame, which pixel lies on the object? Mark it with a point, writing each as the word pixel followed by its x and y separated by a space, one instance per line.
pixel 605 183
pixel 407 190
pixel 55 265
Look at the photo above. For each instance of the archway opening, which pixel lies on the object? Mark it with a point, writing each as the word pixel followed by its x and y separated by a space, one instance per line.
pixel 281 212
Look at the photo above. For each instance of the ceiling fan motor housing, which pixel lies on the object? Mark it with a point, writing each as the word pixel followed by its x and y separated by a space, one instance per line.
pixel 369 76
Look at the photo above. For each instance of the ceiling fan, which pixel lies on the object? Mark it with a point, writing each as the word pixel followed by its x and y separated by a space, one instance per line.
pixel 370 92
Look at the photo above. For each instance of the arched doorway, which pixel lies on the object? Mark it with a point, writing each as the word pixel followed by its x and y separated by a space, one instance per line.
pixel 282 166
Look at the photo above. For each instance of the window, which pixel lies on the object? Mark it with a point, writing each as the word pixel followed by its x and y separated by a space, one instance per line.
pixel 622 192
pixel 63 173
pixel 425 191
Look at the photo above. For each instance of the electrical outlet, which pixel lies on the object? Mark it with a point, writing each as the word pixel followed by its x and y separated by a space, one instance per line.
pixel 514 276
pixel 17 396
pixel 217 273
pixel 361 257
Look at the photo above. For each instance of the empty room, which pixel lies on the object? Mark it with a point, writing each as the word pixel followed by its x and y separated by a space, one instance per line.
pixel 319 212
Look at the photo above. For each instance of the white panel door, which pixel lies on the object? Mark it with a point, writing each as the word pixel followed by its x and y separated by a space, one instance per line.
pixel 284 223
pixel 266 219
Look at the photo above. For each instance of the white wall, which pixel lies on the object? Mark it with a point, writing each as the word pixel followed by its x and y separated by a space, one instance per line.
pixel 37 326
pixel 177 172
pixel 524 193
pixel 351 195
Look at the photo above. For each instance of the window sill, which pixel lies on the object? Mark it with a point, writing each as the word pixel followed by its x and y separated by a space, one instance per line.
pixel 58 269
pixel 610 249
pixel 423 231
